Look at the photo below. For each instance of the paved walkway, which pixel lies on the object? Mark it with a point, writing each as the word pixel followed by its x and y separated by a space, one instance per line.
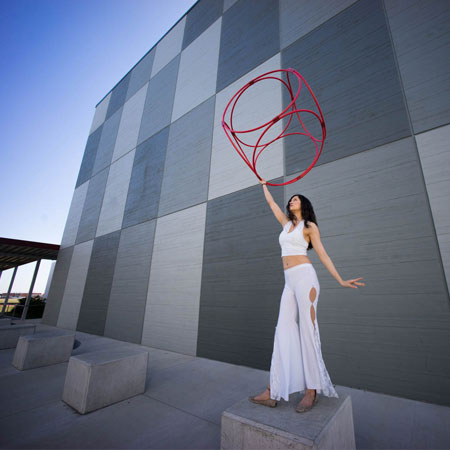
pixel 181 407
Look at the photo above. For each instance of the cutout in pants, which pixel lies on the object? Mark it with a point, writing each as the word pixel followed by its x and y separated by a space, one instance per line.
pixel 297 362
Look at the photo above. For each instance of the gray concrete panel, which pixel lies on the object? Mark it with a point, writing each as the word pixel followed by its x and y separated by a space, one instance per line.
pixel 299 17
pixel 130 122
pixel 113 206
pixel 94 305
pixel 90 153
pixel 435 159
pixel 146 178
pixel 141 73
pixel 128 298
pixel 200 17
pixel 169 47
pixel 73 219
pixel 56 292
pixel 186 170
pixel 374 221
pixel 242 279
pixel 228 4
pixel 159 101
pixel 250 35
pixel 171 313
pixel 350 66
pixel 107 142
pixel 100 113
pixel 198 71
pixel 73 292
pixel 92 206
pixel 421 36
pixel 118 95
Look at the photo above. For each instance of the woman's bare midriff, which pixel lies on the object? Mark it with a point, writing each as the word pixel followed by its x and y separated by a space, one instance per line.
pixel 294 260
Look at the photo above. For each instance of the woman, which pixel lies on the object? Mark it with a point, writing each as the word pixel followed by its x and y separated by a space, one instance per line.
pixel 297 361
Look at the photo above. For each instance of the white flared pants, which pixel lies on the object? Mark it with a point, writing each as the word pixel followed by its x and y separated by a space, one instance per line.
pixel 297 362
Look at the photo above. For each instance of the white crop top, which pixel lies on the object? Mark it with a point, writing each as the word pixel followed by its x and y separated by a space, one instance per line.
pixel 293 243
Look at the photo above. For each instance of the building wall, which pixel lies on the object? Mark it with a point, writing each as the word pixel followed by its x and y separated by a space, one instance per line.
pixel 169 241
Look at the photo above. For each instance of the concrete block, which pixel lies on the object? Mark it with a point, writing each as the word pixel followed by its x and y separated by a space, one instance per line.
pixel 9 334
pixel 329 425
pixel 98 379
pixel 43 349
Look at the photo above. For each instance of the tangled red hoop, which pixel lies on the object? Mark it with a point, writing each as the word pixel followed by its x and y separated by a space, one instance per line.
pixel 290 111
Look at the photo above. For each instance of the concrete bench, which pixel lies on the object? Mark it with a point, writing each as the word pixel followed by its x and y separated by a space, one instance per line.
pixel 9 334
pixel 98 379
pixel 43 349
pixel 329 425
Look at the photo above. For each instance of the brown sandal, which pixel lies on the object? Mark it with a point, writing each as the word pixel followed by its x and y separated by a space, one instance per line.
pixel 302 408
pixel 271 403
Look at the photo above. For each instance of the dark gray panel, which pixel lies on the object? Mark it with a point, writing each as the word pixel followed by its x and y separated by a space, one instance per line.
pixel 92 207
pixel 56 292
pixel 349 64
pixel 94 305
pixel 421 35
pixel 90 153
pixel 200 17
pixel 159 101
pixel 250 36
pixel 186 169
pixel 141 73
pixel 146 177
pixel 242 279
pixel 126 307
pixel 107 142
pixel 118 96
pixel 375 222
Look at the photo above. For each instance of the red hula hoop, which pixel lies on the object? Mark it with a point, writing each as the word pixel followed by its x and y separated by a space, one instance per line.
pixel 290 111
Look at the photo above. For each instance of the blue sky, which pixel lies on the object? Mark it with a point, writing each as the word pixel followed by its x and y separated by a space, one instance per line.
pixel 59 58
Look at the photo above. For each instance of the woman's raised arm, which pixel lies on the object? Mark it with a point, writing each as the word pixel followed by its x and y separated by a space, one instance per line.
pixel 278 213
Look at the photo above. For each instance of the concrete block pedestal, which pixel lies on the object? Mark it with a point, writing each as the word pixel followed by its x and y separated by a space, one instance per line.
pixel 329 425
pixel 98 379
pixel 43 349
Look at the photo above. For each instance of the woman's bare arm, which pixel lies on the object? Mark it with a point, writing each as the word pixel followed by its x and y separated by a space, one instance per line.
pixel 326 260
pixel 278 213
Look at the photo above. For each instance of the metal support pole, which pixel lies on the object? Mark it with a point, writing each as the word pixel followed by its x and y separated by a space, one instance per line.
pixel 9 290
pixel 30 292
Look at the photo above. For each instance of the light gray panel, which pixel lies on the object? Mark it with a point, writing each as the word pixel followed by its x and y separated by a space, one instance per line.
pixel 141 73
pixel 186 169
pixel 421 35
pixel 374 221
pixel 92 206
pixel 159 101
pixel 129 288
pixel 171 314
pixel 130 122
pixel 107 142
pixel 100 113
pixel 73 219
pixel 198 71
pixel 76 279
pixel 227 4
pixel 434 151
pixel 169 46
pixel 116 191
pixel 94 305
pixel 299 17
pixel 260 103
pixel 56 292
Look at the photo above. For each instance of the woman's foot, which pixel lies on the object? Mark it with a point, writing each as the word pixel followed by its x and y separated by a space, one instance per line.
pixel 307 402
pixel 264 399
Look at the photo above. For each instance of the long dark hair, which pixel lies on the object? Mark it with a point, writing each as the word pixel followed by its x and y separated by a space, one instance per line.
pixel 308 213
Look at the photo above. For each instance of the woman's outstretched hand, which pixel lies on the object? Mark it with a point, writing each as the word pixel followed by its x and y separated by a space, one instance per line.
pixel 351 283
